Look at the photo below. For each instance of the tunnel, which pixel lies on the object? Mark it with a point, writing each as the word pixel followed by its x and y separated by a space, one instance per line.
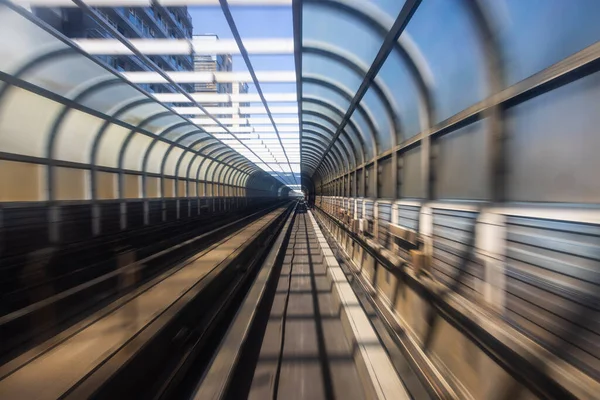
pixel 304 199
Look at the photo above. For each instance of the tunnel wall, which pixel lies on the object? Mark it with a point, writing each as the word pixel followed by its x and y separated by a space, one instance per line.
pixel 483 141
pixel 84 153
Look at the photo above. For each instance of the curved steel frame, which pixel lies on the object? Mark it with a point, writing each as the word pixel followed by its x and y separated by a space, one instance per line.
pixel 109 117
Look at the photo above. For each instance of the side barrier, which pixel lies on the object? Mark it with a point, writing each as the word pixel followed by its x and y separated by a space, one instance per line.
pixel 501 299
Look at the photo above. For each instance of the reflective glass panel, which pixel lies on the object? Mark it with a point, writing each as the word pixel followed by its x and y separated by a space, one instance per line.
pixel 444 32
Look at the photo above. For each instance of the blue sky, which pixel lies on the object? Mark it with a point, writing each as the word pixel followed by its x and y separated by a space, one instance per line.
pixel 252 22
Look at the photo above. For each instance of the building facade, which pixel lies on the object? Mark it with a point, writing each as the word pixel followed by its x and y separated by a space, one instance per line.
pixel 133 23
pixel 212 63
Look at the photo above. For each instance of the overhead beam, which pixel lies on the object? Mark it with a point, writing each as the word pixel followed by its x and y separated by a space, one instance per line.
pixel 225 97
pixel 186 46
pixel 249 129
pixel 255 80
pixel 246 121
pixel 148 3
pixel 210 77
pixel 227 111
pixel 95 16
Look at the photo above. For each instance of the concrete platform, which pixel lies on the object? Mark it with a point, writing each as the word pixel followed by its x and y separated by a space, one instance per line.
pixel 312 348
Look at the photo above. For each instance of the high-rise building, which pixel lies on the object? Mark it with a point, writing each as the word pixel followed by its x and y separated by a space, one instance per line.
pixel 133 23
pixel 212 63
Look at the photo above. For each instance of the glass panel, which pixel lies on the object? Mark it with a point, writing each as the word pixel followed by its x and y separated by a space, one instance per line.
pixel 172 159
pixel 219 154
pixel 562 127
pixel 185 163
pixel 313 121
pixel 137 114
pixel 381 118
pixel 412 183
pixel 25 121
pixel 203 170
pixel 390 7
pixel 322 110
pixel 174 134
pixel 462 164
pixel 394 74
pixel 156 156
pixel 194 168
pixel 29 43
pixel 334 26
pixel 445 34
pixel 345 145
pixel 76 136
pixel 82 72
pixel 219 172
pixel 135 152
pixel 203 144
pixel 339 101
pixel 367 134
pixel 187 141
pixel 110 146
pixel 315 91
pixel 210 171
pixel 315 66
pixel 158 125
pixel 538 33
pixel 111 98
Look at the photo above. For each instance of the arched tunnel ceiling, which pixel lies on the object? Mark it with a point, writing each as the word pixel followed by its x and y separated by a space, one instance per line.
pixel 118 124
pixel 372 79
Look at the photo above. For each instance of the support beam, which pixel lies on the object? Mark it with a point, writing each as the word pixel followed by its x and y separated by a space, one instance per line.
pixel 225 98
pixel 186 46
pixel 227 111
pixel 209 77
pixel 255 80
pixel 148 3
pixel 406 13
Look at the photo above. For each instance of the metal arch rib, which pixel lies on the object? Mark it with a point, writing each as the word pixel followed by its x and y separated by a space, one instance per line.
pixel 348 135
pixel 347 94
pixel 352 62
pixel 381 22
pixel 84 91
pixel 312 160
pixel 76 50
pixel 330 166
pixel 325 140
pixel 351 136
pixel 391 38
pixel 339 160
pixel 310 127
pixel 321 170
pixel 212 151
pixel 117 35
pixel 196 154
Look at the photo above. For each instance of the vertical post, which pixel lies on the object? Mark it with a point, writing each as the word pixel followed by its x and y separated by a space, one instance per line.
pixel 35 276
pixel 394 177
pixel 490 237
pixel 54 220
pixel 426 166
pixel 96 215
pixel 128 278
